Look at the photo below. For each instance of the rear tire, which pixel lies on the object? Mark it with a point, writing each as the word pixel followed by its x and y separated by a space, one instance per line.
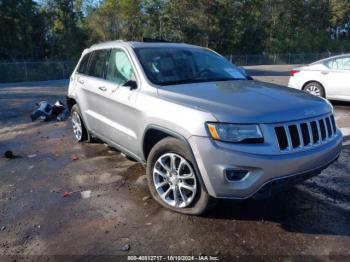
pixel 315 88
pixel 172 179
pixel 79 129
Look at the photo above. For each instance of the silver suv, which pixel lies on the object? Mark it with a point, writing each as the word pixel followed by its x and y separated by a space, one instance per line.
pixel 202 127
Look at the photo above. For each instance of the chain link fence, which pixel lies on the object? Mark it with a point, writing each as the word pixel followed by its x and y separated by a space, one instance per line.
pixel 278 59
pixel 35 71
pixel 54 70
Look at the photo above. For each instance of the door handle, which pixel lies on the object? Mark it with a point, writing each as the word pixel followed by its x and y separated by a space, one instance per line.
pixel 102 88
pixel 80 81
pixel 324 72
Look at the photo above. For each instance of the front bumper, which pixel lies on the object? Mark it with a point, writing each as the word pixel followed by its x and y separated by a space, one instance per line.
pixel 214 158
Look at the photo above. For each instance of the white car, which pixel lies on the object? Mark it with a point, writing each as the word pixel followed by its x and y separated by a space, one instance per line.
pixel 328 78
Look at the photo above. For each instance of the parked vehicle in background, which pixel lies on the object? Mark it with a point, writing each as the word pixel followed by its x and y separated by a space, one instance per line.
pixel 328 78
pixel 201 126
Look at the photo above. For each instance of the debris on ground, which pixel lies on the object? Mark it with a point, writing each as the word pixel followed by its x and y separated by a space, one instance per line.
pixel 55 190
pixel 148 224
pixel 85 194
pixel 74 157
pixel 8 154
pixel 3 228
pixel 31 156
pixel 47 112
pixel 145 198
pixel 126 247
pixel 65 194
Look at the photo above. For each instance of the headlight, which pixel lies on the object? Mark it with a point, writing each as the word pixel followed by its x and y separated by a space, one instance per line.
pixel 235 133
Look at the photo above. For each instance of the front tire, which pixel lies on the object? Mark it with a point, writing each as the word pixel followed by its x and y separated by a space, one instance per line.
pixel 315 88
pixel 79 129
pixel 172 179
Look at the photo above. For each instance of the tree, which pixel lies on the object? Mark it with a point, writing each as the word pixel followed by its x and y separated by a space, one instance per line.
pixel 60 29
pixel 21 30
pixel 64 37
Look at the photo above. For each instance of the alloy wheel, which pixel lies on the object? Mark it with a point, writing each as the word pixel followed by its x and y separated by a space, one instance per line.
pixel 314 90
pixel 77 126
pixel 174 180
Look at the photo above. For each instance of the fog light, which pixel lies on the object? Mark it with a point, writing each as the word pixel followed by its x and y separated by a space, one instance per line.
pixel 235 174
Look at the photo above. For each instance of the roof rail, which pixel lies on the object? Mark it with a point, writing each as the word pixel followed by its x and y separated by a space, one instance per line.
pixel 108 42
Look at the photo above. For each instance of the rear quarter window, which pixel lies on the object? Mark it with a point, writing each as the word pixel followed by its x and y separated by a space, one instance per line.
pixel 342 63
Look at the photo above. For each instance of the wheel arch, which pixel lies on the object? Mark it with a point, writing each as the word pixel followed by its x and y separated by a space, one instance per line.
pixel 154 133
pixel 70 102
pixel 314 81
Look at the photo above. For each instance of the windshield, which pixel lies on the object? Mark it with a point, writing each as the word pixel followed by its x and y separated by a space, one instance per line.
pixel 179 65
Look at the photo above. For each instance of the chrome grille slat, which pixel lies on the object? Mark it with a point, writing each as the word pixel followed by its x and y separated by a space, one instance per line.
pixel 325 127
pixel 301 138
pixel 319 131
pixel 289 139
pixel 329 127
pixel 333 124
pixel 310 133
pixel 304 134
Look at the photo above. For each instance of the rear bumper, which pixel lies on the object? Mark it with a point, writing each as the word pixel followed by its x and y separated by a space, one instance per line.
pixel 213 159
pixel 294 83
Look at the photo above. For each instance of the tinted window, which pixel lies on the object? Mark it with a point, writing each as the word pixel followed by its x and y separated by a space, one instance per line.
pixel 177 65
pixel 98 63
pixel 84 64
pixel 342 63
pixel 119 67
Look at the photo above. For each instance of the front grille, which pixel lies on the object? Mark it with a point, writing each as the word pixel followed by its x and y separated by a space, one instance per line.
pixel 306 133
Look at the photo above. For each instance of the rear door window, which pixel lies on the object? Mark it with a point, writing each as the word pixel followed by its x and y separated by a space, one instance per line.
pixel 98 63
pixel 119 68
pixel 342 63
pixel 83 67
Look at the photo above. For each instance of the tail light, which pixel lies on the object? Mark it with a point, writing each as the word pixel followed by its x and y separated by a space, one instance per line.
pixel 293 72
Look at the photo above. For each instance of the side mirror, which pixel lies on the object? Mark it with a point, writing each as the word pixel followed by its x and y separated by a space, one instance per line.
pixel 244 72
pixel 131 83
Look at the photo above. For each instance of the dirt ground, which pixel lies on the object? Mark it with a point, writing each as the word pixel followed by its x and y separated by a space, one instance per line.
pixel 120 218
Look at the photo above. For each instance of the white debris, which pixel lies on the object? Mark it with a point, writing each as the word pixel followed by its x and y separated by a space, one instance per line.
pixel 85 194
pixel 145 198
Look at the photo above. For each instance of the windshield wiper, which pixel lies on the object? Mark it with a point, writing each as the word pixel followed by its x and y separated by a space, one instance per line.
pixel 194 80
pixel 224 79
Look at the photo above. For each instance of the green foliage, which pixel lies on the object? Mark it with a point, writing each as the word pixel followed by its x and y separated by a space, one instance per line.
pixel 21 29
pixel 60 29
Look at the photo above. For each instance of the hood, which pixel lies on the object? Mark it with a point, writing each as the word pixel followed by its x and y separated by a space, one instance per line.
pixel 247 101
